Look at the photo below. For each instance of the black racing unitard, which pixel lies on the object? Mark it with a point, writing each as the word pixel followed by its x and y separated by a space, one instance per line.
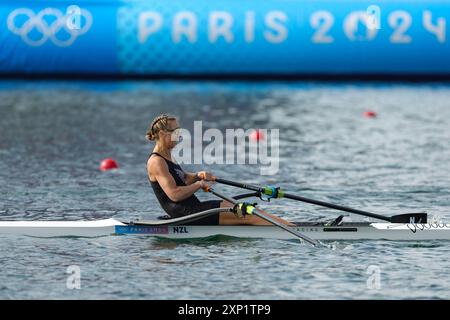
pixel 187 206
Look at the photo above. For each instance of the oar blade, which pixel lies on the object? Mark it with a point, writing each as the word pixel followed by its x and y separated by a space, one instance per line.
pixel 420 217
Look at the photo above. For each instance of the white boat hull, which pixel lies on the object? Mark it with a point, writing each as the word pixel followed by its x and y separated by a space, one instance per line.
pixel 374 231
pixel 318 231
pixel 95 228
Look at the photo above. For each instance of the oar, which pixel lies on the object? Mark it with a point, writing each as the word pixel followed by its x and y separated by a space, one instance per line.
pixel 263 215
pixel 277 193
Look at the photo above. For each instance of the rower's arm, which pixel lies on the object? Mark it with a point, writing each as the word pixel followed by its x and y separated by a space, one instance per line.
pixel 159 170
pixel 191 177
pixel 201 175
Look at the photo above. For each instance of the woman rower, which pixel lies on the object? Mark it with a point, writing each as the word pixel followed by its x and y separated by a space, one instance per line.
pixel 174 188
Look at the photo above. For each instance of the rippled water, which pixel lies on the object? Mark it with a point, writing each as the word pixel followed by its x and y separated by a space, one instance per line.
pixel 54 134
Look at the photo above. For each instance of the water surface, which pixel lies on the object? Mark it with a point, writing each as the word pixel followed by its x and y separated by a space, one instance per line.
pixel 53 136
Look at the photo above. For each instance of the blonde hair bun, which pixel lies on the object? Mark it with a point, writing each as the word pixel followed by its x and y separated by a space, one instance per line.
pixel 160 123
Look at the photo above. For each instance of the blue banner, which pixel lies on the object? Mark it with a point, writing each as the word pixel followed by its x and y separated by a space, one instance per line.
pixel 58 37
pixel 225 37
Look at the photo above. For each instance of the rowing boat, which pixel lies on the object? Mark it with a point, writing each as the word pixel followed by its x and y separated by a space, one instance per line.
pixel 402 227
pixel 315 230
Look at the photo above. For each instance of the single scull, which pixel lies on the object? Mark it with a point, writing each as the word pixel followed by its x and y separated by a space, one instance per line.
pixel 174 230
pixel 403 227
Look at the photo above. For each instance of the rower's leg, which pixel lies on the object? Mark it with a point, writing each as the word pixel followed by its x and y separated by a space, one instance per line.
pixel 228 218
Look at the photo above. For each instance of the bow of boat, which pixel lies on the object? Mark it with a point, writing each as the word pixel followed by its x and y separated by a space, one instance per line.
pixel 94 228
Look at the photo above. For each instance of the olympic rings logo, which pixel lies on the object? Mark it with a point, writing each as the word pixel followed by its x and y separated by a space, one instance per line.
pixel 49 30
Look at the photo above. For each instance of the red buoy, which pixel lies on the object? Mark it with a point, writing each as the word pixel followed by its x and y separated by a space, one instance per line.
pixel 108 164
pixel 369 114
pixel 257 135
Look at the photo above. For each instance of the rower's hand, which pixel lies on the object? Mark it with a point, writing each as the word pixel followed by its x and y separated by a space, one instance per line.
pixel 205 185
pixel 208 176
